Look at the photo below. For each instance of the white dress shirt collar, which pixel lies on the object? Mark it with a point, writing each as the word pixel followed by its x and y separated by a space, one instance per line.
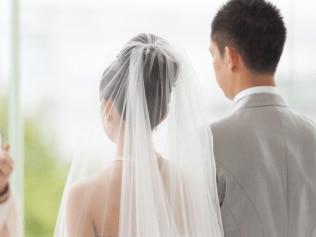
pixel 255 90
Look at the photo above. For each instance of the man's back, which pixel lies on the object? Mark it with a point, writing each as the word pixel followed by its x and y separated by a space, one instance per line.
pixel 266 167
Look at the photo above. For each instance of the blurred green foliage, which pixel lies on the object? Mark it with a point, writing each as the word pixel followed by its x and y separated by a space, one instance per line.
pixel 45 176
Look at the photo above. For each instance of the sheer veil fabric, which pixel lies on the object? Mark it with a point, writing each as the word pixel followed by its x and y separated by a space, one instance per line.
pixel 142 190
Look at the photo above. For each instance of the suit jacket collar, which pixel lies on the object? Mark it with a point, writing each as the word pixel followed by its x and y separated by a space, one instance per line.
pixel 259 100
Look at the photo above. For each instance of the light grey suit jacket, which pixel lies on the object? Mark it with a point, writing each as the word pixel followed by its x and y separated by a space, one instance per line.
pixel 266 169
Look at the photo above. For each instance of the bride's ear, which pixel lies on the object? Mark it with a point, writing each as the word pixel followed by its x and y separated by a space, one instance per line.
pixel 164 117
pixel 106 107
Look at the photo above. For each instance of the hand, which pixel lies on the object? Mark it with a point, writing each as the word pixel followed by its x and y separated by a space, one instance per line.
pixel 6 167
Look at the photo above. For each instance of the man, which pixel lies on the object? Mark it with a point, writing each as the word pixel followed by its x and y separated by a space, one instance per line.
pixel 10 222
pixel 265 152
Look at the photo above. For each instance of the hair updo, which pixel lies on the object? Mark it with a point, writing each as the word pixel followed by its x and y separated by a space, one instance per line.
pixel 160 71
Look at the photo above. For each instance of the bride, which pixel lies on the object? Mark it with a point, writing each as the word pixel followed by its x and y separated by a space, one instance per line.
pixel 143 192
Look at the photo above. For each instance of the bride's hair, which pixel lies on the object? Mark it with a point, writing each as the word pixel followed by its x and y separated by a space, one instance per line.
pixel 158 68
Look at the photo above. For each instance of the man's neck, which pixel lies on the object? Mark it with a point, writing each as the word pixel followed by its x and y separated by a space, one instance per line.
pixel 249 81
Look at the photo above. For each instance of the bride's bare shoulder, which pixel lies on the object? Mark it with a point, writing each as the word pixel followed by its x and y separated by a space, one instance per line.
pixel 97 184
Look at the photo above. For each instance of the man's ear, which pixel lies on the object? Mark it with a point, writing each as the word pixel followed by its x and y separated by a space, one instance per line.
pixel 232 57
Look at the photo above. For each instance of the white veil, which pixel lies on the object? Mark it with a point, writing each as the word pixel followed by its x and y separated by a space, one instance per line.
pixel 138 191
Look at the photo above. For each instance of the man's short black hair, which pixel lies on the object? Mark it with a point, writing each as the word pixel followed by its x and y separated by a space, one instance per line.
pixel 255 29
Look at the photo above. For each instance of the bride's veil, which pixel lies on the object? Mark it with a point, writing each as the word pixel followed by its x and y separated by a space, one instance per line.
pixel 157 183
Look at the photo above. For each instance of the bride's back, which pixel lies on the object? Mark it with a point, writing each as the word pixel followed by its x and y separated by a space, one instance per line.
pixel 93 204
pixel 102 193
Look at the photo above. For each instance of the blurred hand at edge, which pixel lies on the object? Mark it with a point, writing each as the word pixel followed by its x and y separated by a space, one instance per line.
pixel 6 166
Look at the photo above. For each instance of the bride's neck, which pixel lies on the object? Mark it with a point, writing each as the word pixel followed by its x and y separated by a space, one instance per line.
pixel 120 145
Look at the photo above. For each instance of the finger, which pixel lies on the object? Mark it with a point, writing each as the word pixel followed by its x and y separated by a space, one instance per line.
pixel 5 160
pixel 7 164
pixel 6 170
pixel 4 156
pixel 10 162
pixel 5 150
pixel 6 147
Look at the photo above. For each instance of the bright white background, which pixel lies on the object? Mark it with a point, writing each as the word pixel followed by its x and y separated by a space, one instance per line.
pixel 65 45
